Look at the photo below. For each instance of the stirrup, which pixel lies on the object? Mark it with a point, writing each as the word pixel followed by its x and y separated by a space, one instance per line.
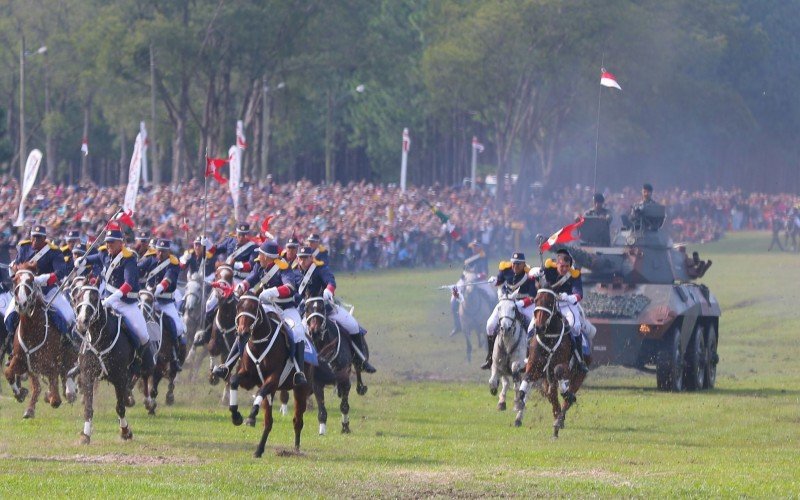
pixel 299 378
pixel 221 371
pixel 366 367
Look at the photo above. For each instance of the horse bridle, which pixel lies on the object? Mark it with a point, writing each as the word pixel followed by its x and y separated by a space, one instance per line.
pixel 316 314
pixel 512 318
pixel 95 309
pixel 257 318
pixel 550 312
pixel 30 287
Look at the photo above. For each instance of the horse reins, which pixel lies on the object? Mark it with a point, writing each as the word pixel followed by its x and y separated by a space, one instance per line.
pixel 33 296
pixel 257 319
pixel 87 340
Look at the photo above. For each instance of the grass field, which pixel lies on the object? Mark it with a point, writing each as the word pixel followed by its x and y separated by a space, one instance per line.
pixel 428 426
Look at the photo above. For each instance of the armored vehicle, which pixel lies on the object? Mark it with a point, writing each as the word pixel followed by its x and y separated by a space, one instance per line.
pixel 641 294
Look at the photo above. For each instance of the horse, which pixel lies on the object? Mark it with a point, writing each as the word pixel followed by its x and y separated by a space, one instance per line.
pixel 335 358
pixel 550 359
pixel 223 328
pixel 38 348
pixel 266 362
pixel 508 356
pixel 106 353
pixel 167 352
pixel 196 290
pixel 473 310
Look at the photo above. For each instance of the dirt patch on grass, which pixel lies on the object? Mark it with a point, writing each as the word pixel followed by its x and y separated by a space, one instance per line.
pixel 114 459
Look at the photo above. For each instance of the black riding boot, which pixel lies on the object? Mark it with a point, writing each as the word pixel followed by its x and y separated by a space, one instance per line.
pixel 299 358
pixel 224 369
pixel 456 318
pixel 489 350
pixel 361 344
pixel 146 355
pixel 577 349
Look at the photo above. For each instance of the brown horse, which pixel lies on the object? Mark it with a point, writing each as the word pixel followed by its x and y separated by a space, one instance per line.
pixel 266 363
pixel 37 348
pixel 223 328
pixel 550 360
pixel 106 353
pixel 167 352
pixel 335 357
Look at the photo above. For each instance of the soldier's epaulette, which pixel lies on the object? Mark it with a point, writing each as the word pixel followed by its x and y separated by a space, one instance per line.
pixel 65 249
pixel 504 264
pixel 102 248
pixel 209 255
pixel 126 252
pixel 319 263
pixel 282 264
pixel 149 252
pixel 66 258
pixel 550 264
pixel 25 242
pixel 527 268
pixel 575 272
pixel 321 249
pixel 174 260
pixel 53 246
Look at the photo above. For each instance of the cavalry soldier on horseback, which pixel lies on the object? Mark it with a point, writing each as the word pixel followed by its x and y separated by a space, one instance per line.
pixel 566 282
pixel 72 238
pixel 289 254
pixel 192 259
pixel 79 250
pixel 50 264
pixel 514 275
pixel 141 244
pixel 478 265
pixel 319 252
pixel 160 271
pixel 240 252
pixel 278 284
pixel 117 265
pixel 318 281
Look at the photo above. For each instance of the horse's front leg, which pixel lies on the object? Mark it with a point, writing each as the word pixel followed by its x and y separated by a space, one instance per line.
pixel 361 389
pixel 53 392
pixel 501 401
pixel 36 389
pixel 322 411
pixel 13 371
pixel 344 393
pixel 87 387
pixel 300 401
pixel 267 423
pixel 552 396
pixel 121 391
pixel 264 392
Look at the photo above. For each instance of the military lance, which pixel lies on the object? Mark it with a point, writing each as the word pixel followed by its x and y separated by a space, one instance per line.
pixel 456 285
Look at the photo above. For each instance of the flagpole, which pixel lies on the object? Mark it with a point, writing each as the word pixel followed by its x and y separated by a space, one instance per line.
pixel 202 244
pixel 597 134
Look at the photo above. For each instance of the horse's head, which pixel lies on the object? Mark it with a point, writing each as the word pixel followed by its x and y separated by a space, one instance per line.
pixel 192 301
pixel 146 303
pixel 507 311
pixel 249 314
pixel 88 307
pixel 26 291
pixel 315 317
pixel 545 307
pixel 223 272
pixel 75 289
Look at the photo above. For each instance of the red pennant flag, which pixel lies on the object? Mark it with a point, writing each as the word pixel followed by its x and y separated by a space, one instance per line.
pixel 213 165
pixel 265 224
pixel 563 235
pixel 224 288
pixel 112 226
pixel 608 80
pixel 126 218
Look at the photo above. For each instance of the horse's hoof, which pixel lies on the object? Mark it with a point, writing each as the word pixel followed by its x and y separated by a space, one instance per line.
pixel 345 428
pixel 323 429
pixel 284 410
pixel 501 406
pixel 517 423
pixel 258 453
pixel 29 413
pixel 126 433
pixel 55 403
pixel 361 390
pixel 519 406
pixel 213 380
pixel 170 399
pixel 85 439
pixel 21 395
pixel 153 393
pixel 493 391
pixel 237 419
pixel 152 410
pixel 71 397
pixel 250 422
pixel 130 402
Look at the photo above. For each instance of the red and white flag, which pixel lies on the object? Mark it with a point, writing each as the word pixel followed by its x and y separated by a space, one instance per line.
pixel 134 174
pixel 85 146
pixel 406 141
pixel 563 235
pixel 608 80
pixel 477 146
pixel 213 166
pixel 240 140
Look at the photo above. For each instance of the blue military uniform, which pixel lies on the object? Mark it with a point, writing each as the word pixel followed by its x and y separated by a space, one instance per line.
pixel 244 254
pixel 320 253
pixel 477 264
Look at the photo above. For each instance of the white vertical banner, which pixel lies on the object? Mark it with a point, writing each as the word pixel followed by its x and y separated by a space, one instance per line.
pixel 134 173
pixel 240 140
pixel 145 143
pixel 477 147
pixel 235 155
pixel 404 161
pixel 31 169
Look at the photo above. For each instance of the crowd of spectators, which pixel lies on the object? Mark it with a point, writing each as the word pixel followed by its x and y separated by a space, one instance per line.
pixel 367 226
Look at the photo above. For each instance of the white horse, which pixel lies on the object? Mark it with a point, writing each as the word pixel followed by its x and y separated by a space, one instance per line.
pixel 510 348
pixel 193 311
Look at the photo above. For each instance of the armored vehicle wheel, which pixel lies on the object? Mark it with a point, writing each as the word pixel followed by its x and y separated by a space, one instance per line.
pixel 669 363
pixel 713 358
pixel 696 360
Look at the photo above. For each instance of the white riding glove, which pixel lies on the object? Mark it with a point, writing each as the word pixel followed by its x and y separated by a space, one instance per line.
pixel 112 299
pixel 42 279
pixel 238 265
pixel 159 289
pixel 535 272
pixel 520 304
pixel 206 242
pixel 493 280
pixel 571 299
pixel 240 289
pixel 269 294
pixel 184 259
pixel 80 261
pixel 327 295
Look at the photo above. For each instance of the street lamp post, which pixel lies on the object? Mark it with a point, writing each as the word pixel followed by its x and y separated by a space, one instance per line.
pixel 330 167
pixel 23 153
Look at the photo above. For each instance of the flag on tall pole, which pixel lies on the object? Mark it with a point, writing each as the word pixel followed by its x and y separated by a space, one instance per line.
pixel 608 80
pixel 134 175
pixel 213 166
pixel 31 169
pixel 404 160
pixel 477 147
pixel 85 146
pixel 563 235
pixel 235 155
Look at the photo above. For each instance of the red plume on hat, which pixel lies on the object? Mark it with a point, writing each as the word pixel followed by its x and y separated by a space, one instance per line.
pixel 265 227
pixel 126 218
pixel 113 226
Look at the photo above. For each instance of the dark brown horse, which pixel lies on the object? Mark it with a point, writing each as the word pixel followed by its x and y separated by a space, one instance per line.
pixel 167 352
pixel 335 357
pixel 550 360
pixel 106 353
pixel 37 349
pixel 266 363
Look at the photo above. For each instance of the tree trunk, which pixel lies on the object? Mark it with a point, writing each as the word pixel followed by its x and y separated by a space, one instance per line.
pixel 50 159
pixel 123 165
pixel 151 133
